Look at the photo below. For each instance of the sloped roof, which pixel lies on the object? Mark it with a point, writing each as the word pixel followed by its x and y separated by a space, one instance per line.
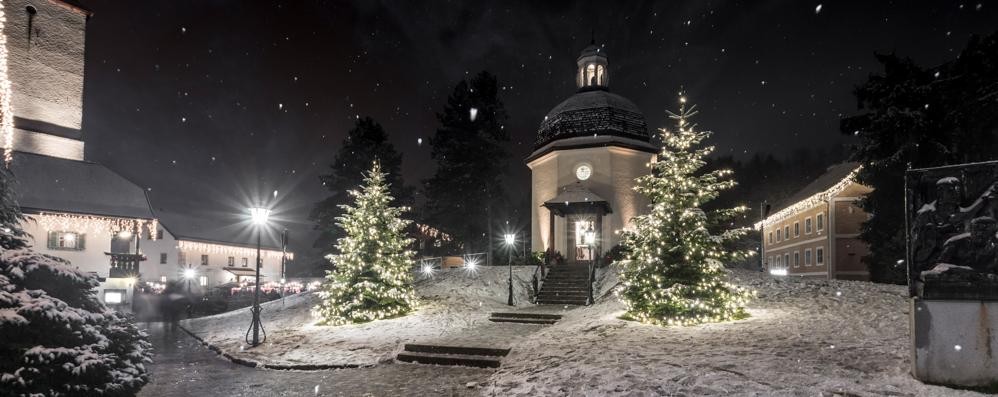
pixel 222 228
pixel 576 194
pixel 593 111
pixel 830 178
pixel 60 185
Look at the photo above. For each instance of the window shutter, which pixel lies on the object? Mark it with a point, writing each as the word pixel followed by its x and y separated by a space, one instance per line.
pixel 81 242
pixel 53 240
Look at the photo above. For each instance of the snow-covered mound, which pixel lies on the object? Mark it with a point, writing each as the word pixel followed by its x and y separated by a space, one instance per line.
pixel 804 337
pixel 452 302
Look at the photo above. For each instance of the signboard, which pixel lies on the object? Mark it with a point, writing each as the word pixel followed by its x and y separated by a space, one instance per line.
pixel 952 235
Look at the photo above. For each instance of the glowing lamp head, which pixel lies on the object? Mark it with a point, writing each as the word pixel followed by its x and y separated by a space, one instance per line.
pixel 259 215
pixel 69 237
pixel 590 237
pixel 189 273
pixel 510 238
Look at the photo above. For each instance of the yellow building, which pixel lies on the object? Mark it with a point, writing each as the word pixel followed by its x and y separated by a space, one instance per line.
pixel 815 232
pixel 588 151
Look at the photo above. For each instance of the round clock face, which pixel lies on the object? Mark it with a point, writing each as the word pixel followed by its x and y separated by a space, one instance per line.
pixel 583 172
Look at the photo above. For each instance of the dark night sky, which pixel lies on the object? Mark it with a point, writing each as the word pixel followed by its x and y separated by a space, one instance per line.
pixel 212 103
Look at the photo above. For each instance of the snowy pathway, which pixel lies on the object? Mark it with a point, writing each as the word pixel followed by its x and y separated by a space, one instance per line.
pixel 183 367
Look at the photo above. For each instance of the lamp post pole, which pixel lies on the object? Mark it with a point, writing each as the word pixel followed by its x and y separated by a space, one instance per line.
pixel 510 244
pixel 260 220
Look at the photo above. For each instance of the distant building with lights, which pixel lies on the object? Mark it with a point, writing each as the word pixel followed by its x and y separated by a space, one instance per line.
pixel 588 151
pixel 82 211
pixel 815 232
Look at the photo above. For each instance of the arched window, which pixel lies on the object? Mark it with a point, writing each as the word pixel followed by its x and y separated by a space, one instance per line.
pixel 590 74
pixel 600 78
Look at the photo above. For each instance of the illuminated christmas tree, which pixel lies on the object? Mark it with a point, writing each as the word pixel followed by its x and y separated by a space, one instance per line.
pixel 372 278
pixel 673 272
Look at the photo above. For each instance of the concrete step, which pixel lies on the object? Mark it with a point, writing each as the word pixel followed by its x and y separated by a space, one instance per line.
pixel 449 359
pixel 460 350
pixel 522 320
pixel 527 315
pixel 563 300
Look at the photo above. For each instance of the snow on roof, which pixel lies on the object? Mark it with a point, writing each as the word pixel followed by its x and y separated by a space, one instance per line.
pixel 593 112
pixel 222 229
pixel 836 178
pixel 61 185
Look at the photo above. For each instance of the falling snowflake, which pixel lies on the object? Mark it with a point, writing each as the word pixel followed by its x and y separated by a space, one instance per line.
pixel 473 113
pixel 419 141
pixel 817 10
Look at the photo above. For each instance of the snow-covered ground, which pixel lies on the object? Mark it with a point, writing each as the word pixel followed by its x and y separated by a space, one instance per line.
pixel 453 303
pixel 804 337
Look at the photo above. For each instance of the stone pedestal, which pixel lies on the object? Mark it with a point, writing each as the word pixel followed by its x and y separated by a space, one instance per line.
pixel 955 342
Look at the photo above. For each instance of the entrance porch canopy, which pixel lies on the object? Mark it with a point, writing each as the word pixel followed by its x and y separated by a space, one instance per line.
pixel 577 199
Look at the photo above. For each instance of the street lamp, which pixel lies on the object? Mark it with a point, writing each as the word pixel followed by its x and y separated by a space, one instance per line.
pixel 189 274
pixel 510 240
pixel 259 216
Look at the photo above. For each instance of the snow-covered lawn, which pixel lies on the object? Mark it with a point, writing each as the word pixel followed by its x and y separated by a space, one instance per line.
pixel 453 303
pixel 805 337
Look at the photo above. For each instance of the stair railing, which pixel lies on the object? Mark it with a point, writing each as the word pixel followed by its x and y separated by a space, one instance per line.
pixel 592 280
pixel 538 281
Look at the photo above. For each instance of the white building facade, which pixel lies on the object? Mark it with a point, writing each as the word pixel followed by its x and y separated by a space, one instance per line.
pixel 588 151
pixel 82 211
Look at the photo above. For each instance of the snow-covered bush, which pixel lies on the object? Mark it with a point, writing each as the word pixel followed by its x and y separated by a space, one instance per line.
pixel 56 337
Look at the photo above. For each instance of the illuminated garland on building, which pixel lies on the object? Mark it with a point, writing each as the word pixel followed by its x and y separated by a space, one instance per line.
pixel 92 223
pixel 6 111
pixel 432 232
pixel 810 202
pixel 228 250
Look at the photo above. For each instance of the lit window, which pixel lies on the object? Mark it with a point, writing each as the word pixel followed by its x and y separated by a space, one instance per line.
pixel 591 74
pixel 807 225
pixel 820 220
pixel 203 281
pixel 819 256
pixel 69 241
pixel 162 279
pixel 112 297
pixel 245 262
pixel 786 231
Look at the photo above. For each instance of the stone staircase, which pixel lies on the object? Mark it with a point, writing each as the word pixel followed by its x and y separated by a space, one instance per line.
pixel 525 318
pixel 565 285
pixel 481 357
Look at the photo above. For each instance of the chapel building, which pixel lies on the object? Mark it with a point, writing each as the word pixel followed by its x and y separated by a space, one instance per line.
pixel 588 151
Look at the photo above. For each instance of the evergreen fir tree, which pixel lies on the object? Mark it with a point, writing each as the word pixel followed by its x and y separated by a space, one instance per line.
pixel 673 271
pixel 56 337
pixel 366 141
pixel 372 278
pixel 469 148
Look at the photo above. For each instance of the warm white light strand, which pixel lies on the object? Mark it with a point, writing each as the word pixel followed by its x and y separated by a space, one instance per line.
pixel 810 202
pixel 6 111
pixel 229 250
pixel 92 223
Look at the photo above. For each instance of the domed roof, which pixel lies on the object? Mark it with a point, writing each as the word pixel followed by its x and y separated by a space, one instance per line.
pixel 593 112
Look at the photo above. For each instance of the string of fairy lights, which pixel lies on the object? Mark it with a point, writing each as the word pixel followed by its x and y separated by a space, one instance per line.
pixel 810 202
pixel 95 224
pixel 229 250
pixel 673 271
pixel 372 279
pixel 6 111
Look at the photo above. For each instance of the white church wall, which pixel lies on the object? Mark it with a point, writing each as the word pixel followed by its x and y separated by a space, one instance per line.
pixel 46 70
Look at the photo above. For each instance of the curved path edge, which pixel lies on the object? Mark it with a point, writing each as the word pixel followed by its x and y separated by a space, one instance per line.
pixel 257 364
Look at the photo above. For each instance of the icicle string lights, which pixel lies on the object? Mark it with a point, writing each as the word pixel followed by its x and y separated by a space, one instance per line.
pixel 810 202
pixel 228 250
pixel 6 111
pixel 95 224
